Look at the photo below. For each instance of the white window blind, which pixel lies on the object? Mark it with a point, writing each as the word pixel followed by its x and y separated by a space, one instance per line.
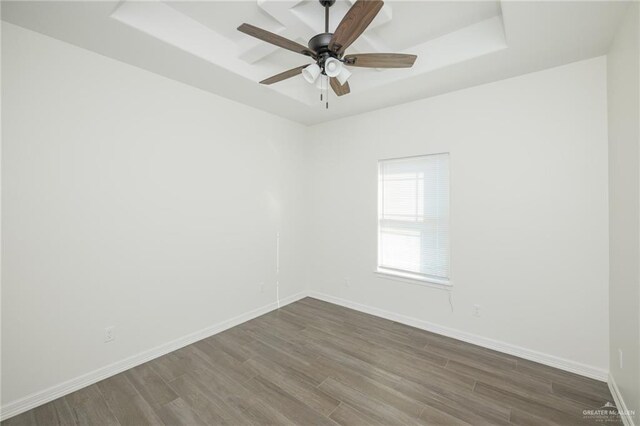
pixel 413 216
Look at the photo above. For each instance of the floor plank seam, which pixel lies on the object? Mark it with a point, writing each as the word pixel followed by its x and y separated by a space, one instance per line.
pixel 107 404
pixel 422 411
pixel 320 384
pixel 334 409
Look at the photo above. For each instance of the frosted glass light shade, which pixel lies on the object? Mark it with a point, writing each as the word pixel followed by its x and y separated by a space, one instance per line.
pixel 344 75
pixel 332 67
pixel 311 73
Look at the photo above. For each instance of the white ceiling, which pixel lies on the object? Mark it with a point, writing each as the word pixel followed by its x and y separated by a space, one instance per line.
pixel 459 44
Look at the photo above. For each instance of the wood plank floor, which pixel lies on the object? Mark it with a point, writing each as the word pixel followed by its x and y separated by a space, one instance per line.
pixel 314 363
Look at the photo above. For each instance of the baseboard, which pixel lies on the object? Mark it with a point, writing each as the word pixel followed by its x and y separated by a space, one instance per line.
pixel 619 401
pixel 531 355
pixel 38 398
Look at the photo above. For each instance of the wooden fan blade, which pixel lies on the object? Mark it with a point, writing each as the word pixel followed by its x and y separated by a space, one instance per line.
pixel 340 90
pixel 275 39
pixel 354 23
pixel 380 60
pixel 284 75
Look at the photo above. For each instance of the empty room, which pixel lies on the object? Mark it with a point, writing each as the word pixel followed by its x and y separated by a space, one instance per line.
pixel 320 212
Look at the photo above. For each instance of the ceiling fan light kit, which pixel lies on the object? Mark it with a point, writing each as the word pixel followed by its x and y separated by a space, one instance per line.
pixel 327 49
pixel 311 73
pixel 343 75
pixel 332 67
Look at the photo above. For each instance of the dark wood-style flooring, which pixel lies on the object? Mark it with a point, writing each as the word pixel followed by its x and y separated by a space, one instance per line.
pixel 315 363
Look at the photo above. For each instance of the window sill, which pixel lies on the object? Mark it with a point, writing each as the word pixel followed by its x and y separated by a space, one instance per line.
pixel 414 279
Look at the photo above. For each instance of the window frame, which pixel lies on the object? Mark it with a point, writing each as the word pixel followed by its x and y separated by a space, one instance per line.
pixel 407 276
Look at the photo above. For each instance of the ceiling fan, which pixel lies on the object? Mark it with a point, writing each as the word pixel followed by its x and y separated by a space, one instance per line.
pixel 327 49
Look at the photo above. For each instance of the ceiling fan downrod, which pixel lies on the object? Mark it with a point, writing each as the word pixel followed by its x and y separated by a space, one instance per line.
pixel 326 4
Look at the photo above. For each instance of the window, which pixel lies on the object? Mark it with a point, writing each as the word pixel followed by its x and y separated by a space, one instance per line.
pixel 413 218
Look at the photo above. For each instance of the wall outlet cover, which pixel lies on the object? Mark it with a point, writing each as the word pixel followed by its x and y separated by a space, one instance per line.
pixel 109 334
pixel 476 310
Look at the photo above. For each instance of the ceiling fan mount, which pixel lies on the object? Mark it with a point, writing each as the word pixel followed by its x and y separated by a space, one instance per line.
pixel 328 49
pixel 327 3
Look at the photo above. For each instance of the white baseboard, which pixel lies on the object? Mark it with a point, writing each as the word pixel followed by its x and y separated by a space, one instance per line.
pixel 38 398
pixel 42 397
pixel 542 358
pixel 620 404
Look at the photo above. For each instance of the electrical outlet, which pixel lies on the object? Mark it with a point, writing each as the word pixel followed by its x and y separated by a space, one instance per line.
pixel 347 282
pixel 109 334
pixel 476 310
pixel 620 358
pixel 261 287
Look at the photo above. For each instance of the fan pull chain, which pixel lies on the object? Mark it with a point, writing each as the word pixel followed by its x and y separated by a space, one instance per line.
pixel 327 93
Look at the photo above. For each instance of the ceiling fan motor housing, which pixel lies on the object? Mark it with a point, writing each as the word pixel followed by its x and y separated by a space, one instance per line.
pixel 320 45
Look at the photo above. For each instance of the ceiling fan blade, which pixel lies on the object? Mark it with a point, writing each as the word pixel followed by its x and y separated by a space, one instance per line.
pixel 340 90
pixel 275 39
pixel 354 23
pixel 380 60
pixel 284 75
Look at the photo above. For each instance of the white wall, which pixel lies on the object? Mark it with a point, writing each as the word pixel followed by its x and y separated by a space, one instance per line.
pixel 133 201
pixel 529 212
pixel 623 74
